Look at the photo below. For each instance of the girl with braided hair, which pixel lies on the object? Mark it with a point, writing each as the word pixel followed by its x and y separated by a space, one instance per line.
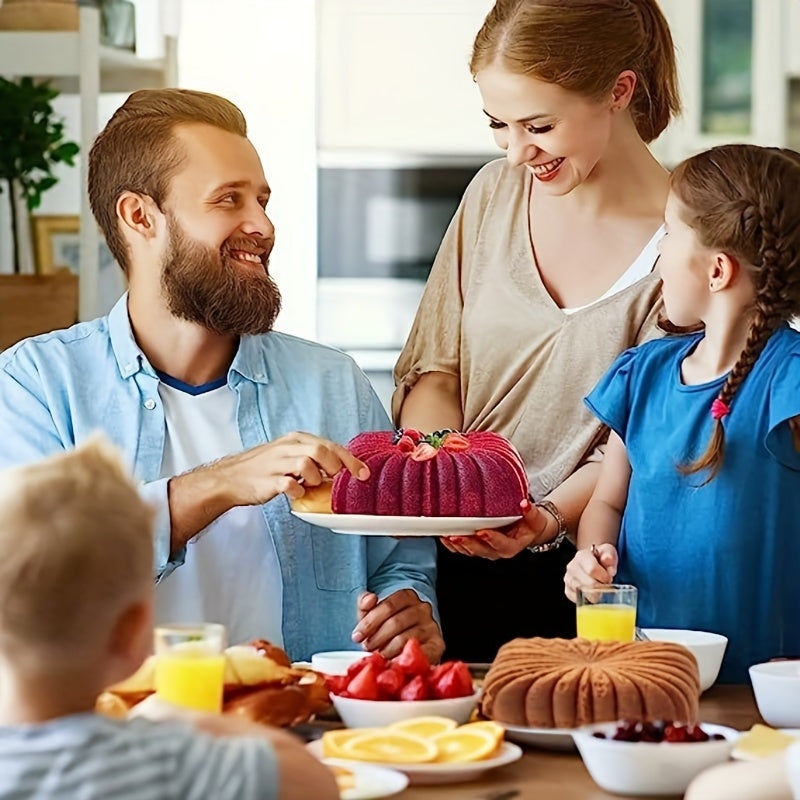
pixel 698 499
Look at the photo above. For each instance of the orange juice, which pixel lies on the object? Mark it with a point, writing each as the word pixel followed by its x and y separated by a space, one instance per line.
pixel 191 676
pixel 606 622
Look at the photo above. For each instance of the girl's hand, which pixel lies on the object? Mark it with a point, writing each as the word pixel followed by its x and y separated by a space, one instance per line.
pixel 596 564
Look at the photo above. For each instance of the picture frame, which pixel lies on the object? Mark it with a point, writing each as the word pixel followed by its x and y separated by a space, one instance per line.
pixel 56 242
pixel 57 246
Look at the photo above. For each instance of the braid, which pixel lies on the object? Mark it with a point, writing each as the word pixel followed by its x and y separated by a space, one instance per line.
pixel 772 307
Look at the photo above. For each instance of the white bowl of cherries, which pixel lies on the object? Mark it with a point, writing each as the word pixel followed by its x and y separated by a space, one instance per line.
pixel 651 758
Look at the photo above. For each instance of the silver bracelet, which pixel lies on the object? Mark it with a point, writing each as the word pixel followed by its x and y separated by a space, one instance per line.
pixel 553 510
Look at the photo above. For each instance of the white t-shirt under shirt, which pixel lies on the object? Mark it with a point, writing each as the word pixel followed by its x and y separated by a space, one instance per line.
pixel 642 265
pixel 245 595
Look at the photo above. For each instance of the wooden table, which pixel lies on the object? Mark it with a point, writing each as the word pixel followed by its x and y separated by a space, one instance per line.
pixel 544 775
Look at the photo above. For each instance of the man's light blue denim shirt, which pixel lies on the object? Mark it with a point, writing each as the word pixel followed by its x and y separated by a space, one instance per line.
pixel 59 388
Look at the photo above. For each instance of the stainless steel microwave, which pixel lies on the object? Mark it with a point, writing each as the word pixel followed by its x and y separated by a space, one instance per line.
pixel 381 221
pixel 383 217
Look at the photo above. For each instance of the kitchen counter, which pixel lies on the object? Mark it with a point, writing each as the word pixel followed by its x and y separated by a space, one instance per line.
pixel 545 775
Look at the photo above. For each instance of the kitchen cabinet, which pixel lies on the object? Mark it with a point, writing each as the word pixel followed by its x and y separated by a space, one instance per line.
pixel 77 62
pixel 393 76
pixel 791 37
pixel 732 63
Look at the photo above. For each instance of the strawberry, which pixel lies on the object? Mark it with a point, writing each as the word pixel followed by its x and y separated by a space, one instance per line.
pixel 377 659
pixel 412 660
pixel 355 668
pixel 416 689
pixel 372 658
pixel 390 682
pixel 455 442
pixel 454 682
pixel 436 672
pixel 405 444
pixel 365 685
pixel 423 452
pixel 336 683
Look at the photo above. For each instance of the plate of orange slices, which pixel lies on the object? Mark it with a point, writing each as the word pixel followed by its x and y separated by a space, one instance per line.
pixel 426 749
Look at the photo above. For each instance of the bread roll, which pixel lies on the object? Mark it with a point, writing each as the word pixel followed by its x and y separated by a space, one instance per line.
pixel 316 500
pixel 259 684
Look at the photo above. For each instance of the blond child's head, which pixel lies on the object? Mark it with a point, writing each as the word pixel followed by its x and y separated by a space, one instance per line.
pixel 76 565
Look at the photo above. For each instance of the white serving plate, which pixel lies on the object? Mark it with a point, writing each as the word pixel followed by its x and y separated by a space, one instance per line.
pixel 439 773
pixel 544 738
pixel 370 781
pixel 377 525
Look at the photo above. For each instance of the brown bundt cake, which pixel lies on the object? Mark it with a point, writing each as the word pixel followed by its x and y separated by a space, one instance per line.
pixel 564 683
pixel 441 474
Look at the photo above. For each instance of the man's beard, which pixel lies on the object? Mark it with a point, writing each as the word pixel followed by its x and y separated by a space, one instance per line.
pixel 202 285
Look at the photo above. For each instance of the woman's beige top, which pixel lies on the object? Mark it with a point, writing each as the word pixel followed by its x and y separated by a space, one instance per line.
pixel 525 365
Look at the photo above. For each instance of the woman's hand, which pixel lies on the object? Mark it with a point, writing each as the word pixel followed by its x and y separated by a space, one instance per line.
pixel 596 564
pixel 535 527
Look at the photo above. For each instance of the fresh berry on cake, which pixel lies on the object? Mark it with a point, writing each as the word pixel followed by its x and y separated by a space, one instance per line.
pixel 441 474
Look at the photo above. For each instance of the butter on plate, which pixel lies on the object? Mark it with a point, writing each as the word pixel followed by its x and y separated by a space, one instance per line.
pixel 762 741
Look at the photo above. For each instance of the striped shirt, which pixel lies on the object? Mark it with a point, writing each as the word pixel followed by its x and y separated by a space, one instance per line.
pixel 89 757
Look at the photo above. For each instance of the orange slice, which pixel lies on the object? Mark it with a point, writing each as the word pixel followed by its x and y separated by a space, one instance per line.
pixel 426 727
pixel 497 730
pixel 333 741
pixel 391 747
pixel 467 743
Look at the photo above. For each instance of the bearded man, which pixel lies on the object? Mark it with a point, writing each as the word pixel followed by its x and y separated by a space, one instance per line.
pixel 186 375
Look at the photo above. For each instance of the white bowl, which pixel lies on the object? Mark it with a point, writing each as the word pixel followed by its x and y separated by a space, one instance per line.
pixel 708 648
pixel 776 685
pixel 649 768
pixel 377 713
pixel 336 662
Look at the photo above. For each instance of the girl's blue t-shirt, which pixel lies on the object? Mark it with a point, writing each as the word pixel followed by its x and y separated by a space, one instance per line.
pixel 724 557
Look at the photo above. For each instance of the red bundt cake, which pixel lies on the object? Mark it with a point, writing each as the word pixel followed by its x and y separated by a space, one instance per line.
pixel 563 683
pixel 442 474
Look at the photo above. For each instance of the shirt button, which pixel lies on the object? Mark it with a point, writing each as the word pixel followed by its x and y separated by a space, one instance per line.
pixel 149 404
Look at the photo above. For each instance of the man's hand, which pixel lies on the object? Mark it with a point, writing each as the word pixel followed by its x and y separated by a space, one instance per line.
pixel 253 477
pixel 257 475
pixel 385 626
pixel 536 526
pixel 590 565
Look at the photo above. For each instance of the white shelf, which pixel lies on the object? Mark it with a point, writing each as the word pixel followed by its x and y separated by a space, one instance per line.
pixel 77 63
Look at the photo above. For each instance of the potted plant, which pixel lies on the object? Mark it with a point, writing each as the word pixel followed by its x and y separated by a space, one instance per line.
pixel 32 142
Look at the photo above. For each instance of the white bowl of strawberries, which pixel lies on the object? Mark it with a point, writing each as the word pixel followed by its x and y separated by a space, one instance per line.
pixel 377 691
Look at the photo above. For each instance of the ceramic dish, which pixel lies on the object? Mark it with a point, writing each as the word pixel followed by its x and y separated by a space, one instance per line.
pixel 376 525
pixel 441 773
pixel 370 781
pixel 544 738
pixel 357 713
pixel 650 768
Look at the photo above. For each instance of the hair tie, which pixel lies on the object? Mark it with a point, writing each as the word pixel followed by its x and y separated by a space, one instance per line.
pixel 719 409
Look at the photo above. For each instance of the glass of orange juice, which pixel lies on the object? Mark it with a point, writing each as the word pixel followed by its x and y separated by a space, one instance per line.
pixel 607 612
pixel 190 665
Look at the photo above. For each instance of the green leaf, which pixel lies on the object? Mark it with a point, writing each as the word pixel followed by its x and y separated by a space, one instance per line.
pixel 32 137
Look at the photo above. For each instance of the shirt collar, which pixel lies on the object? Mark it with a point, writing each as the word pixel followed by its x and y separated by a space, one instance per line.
pixel 250 361
pixel 129 356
